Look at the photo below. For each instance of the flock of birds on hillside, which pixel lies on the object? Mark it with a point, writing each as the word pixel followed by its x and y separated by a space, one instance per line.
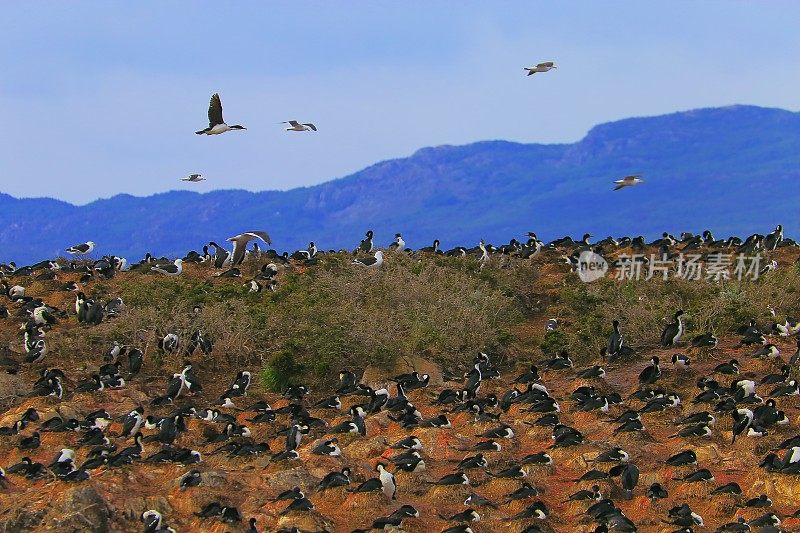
pixel 217 256
pixel 496 417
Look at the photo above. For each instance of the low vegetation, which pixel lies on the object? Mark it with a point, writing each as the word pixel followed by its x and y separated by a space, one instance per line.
pixel 333 315
pixel 644 307
pixel 323 318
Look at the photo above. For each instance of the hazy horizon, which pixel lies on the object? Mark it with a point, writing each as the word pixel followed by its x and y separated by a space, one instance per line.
pixel 105 98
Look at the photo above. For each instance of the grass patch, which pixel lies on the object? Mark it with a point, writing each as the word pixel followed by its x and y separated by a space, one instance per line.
pixel 329 317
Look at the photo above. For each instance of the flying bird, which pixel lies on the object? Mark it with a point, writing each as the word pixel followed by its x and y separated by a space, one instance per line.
pixel 81 249
pixel 296 126
pixel 194 178
pixel 240 244
pixel 216 124
pixel 628 181
pixel 541 67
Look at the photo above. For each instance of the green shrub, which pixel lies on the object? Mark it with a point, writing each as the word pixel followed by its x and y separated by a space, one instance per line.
pixel 331 316
pixel 554 342
pixel 644 307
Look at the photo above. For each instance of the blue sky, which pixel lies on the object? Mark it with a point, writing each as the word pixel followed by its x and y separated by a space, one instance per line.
pixel 101 98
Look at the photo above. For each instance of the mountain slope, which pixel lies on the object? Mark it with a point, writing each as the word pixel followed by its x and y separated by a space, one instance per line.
pixel 732 169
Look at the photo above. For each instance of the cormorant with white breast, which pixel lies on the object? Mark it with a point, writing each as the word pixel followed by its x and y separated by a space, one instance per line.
pixel 673 331
pixel 216 124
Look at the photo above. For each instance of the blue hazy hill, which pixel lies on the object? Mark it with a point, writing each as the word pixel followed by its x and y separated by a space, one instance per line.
pixel 734 170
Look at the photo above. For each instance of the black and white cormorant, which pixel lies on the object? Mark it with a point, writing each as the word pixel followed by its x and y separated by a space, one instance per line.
pixel 216 124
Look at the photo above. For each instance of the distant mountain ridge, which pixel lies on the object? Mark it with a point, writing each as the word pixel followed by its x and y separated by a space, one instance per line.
pixel 733 170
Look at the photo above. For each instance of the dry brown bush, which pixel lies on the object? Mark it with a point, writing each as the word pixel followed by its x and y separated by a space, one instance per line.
pixel 645 307
pixel 331 316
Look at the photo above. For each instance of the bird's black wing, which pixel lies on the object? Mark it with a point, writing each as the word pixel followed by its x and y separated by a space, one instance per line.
pixel 665 335
pixel 215 111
